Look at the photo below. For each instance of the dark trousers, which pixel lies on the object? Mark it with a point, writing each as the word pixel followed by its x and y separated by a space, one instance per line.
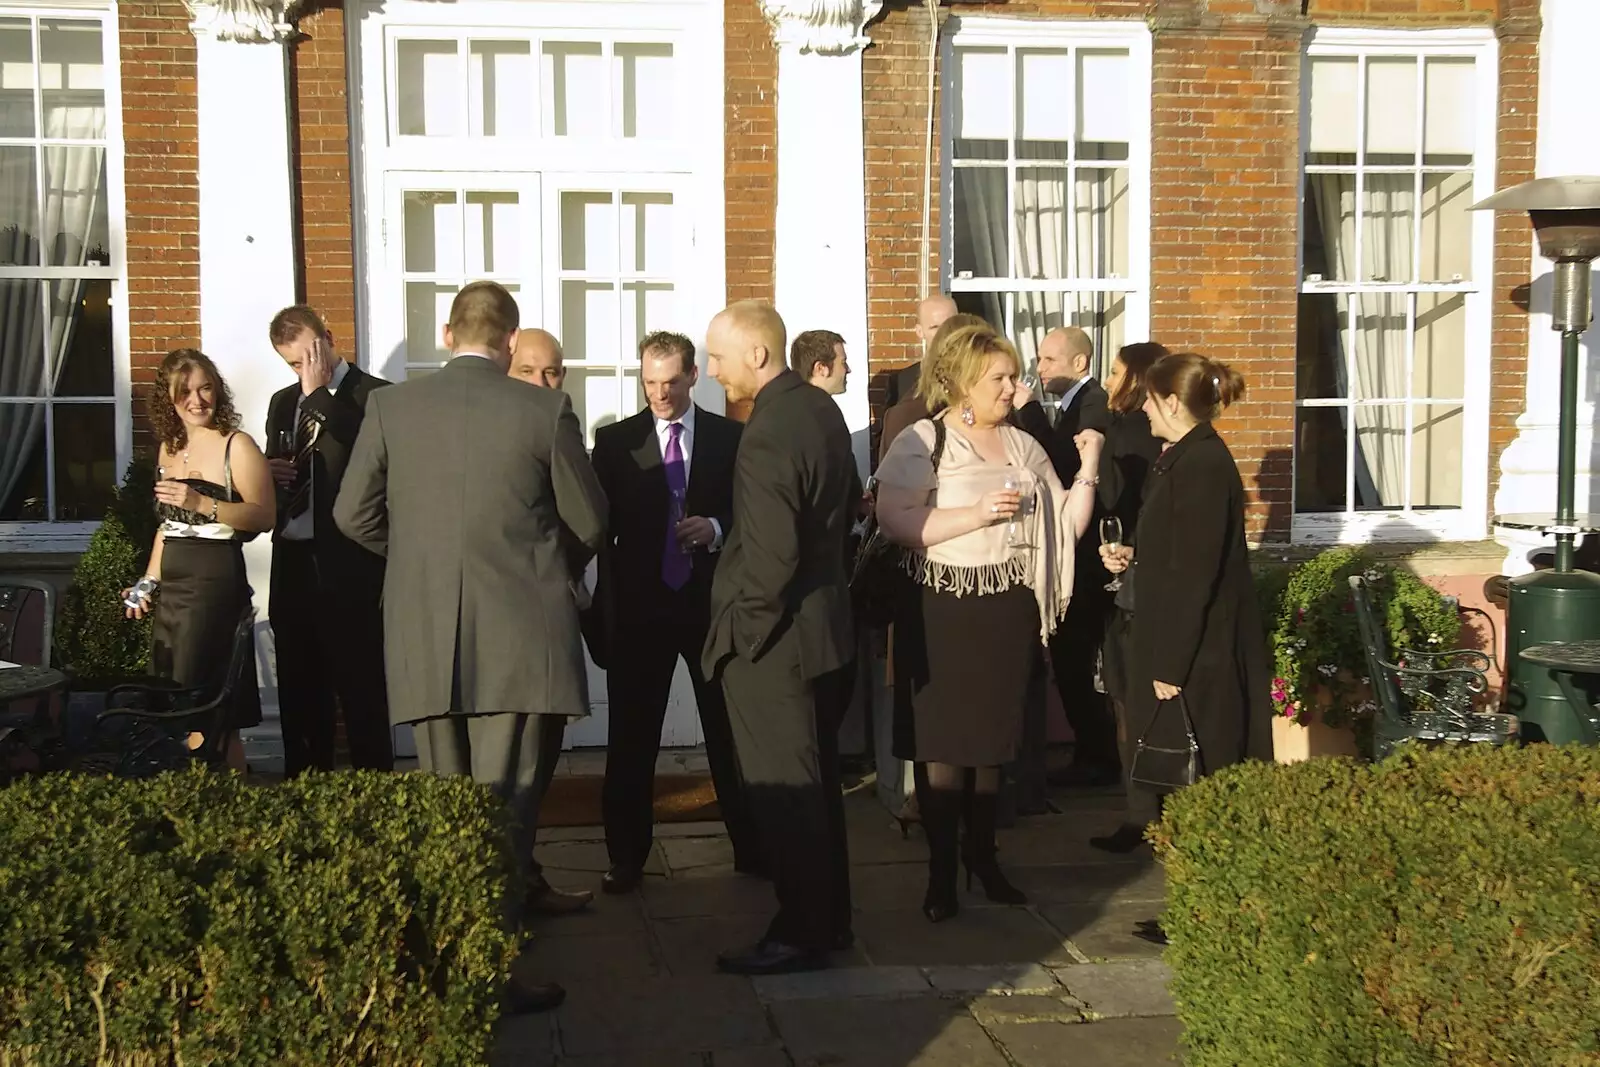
pixel 514 755
pixel 1073 649
pixel 638 686
pixel 786 734
pixel 328 635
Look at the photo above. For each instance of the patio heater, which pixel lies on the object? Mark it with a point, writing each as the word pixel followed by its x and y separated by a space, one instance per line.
pixel 1562 604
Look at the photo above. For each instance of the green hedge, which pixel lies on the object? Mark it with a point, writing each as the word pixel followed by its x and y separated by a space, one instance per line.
pixel 1441 909
pixel 350 919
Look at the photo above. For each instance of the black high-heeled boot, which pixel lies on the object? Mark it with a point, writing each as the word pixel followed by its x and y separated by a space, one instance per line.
pixel 979 851
pixel 941 819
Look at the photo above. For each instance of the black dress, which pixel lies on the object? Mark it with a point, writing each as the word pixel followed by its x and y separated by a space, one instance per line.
pixel 1125 462
pixel 204 593
pixel 1196 624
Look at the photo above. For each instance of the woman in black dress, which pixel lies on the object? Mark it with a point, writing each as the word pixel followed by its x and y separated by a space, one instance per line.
pixel 1196 630
pixel 993 579
pixel 215 493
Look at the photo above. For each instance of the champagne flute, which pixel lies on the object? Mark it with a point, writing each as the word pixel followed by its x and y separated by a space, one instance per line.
pixel 1111 535
pixel 1013 483
pixel 679 511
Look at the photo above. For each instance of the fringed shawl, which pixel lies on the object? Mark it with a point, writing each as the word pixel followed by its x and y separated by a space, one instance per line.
pixel 980 563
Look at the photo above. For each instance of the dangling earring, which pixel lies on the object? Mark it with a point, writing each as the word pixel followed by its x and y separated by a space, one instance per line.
pixel 967 418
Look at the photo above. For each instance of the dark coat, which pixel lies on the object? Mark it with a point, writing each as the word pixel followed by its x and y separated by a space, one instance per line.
pixel 627 460
pixel 782 567
pixel 1196 623
pixel 1131 449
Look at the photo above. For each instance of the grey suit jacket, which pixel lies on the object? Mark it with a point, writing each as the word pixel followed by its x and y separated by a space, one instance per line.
pixel 477 489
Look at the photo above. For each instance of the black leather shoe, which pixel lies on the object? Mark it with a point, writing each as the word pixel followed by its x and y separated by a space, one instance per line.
pixel 526 998
pixel 619 880
pixel 1150 930
pixel 771 957
pixel 546 899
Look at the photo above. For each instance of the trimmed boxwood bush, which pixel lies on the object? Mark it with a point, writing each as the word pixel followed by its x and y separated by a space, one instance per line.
pixel 94 639
pixel 349 919
pixel 1440 909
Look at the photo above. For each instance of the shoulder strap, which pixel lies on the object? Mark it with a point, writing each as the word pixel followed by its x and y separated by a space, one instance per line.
pixel 227 463
pixel 938 442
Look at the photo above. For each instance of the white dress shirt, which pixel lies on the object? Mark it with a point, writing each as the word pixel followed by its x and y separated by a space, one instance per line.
pixel 303 526
pixel 686 446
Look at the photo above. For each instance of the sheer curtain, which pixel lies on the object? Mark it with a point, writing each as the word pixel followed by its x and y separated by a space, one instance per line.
pixel 1380 320
pixel 33 348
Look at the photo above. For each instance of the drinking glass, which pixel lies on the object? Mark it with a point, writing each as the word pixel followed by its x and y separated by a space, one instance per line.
pixel 1111 534
pixel 678 512
pixel 1013 483
pixel 282 445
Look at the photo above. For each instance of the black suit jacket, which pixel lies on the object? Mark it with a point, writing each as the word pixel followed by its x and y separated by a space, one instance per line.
pixel 627 459
pixel 1087 411
pixel 339 414
pixel 781 569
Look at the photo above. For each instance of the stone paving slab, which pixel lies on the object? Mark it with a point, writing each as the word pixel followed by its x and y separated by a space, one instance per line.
pixel 1109 882
pixel 994 1011
pixel 589 856
pixel 690 946
pixel 1116 1043
pixel 921 1032
pixel 752 1057
pixel 577 959
pixel 700 897
pixel 1001 978
pixel 841 982
pixel 525 1041
pixel 1122 988
pixel 689 856
pixel 978 935
pixel 1105 932
pixel 658 1017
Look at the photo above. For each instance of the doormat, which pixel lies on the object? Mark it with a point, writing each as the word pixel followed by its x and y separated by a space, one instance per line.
pixel 575 800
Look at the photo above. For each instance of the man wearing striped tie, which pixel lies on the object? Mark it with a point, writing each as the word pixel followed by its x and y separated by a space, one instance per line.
pixel 327 627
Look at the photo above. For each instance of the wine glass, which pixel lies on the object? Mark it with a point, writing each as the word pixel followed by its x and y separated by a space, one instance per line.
pixel 678 512
pixel 1111 534
pixel 1013 483
pixel 283 444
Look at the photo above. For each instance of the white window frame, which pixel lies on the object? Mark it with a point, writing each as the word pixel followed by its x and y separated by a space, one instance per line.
pixel 74 536
pixel 1470 520
pixel 1099 34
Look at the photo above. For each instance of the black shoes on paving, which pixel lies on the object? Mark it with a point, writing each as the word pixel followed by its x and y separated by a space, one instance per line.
pixel 527 998
pixel 620 880
pixel 771 957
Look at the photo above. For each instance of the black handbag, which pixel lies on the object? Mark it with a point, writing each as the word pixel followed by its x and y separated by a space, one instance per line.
pixel 1166 769
pixel 877 576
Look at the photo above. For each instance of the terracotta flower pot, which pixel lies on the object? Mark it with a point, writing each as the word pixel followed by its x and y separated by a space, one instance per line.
pixel 1292 742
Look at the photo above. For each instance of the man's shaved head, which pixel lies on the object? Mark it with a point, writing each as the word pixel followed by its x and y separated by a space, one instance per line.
pixel 745 347
pixel 931 314
pixel 1064 357
pixel 538 359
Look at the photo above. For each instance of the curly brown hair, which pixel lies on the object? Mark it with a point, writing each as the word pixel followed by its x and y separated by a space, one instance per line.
pixel 162 398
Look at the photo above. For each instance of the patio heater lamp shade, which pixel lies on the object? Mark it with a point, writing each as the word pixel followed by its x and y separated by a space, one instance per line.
pixel 1561 604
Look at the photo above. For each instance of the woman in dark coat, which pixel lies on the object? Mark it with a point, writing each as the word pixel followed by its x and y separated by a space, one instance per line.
pixel 1196 629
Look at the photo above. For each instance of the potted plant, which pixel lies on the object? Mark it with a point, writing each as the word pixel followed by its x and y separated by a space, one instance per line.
pixel 1321 694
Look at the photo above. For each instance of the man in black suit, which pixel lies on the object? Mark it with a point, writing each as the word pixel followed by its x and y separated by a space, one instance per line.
pixel 327 628
pixel 781 632
pixel 1073 401
pixel 668 474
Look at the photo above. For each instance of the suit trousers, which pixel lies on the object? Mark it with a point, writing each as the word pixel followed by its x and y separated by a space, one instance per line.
pixel 328 638
pixel 786 734
pixel 638 686
pixel 515 755
pixel 1072 658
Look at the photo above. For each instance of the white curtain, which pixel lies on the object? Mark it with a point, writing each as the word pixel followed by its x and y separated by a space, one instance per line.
pixel 73 228
pixel 1388 209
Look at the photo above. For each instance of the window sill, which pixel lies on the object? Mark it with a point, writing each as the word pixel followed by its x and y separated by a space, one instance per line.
pixel 45 537
pixel 1386 528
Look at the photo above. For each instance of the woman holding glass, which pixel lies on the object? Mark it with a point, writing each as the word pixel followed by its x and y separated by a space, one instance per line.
pixel 215 492
pixel 1197 641
pixel 991 533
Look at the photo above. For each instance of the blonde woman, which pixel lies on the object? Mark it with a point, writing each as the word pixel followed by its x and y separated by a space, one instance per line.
pixel 991 533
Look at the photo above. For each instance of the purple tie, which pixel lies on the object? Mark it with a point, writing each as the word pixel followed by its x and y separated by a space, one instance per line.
pixel 675 562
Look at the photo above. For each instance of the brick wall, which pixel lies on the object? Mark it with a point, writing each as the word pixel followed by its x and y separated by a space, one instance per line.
pixel 161 164
pixel 321 134
pixel 750 172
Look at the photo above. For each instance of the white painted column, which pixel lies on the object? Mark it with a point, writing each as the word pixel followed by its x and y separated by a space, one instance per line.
pixel 821 243
pixel 247 225
pixel 1566 146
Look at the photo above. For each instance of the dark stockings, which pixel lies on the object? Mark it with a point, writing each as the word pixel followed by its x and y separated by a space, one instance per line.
pixel 953 795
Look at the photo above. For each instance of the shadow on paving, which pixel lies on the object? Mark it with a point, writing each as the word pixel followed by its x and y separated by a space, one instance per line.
pixel 1058 983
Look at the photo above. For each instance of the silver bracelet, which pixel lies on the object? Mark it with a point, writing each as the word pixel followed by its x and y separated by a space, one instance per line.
pixel 1090 482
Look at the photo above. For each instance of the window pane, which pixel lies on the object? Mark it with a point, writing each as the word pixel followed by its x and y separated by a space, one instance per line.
pixel 1040 204
pixel 589 322
pixel 1388 218
pixel 72 75
pixel 981 249
pixel 500 89
pixel 1380 345
pixel 647 233
pixel 1436 455
pixel 645 91
pixel 432 232
pixel 1100 204
pixel 646 306
pixel 575 87
pixel 1319 459
pixel 1438 364
pixel 1329 227
pixel 588 233
pixel 16 78
pixel 80 337
pixel 1320 369
pixel 427 312
pixel 1333 105
pixel 982 104
pixel 22 465
pixel 493 234
pixel 1392 109
pixel 1380 456
pixel 1044 86
pixel 602 396
pixel 22 339
pixel 85 460
pixel 1446 227
pixel 428 80
pixel 77 224
pixel 1025 318
pixel 1105 100
pixel 19 207
pixel 1449 125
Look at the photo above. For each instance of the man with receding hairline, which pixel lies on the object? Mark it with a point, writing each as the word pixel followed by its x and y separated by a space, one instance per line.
pixel 781 635
pixel 538 360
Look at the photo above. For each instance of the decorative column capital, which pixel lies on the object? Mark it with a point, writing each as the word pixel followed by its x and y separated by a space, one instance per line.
pixel 825 27
pixel 244 21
